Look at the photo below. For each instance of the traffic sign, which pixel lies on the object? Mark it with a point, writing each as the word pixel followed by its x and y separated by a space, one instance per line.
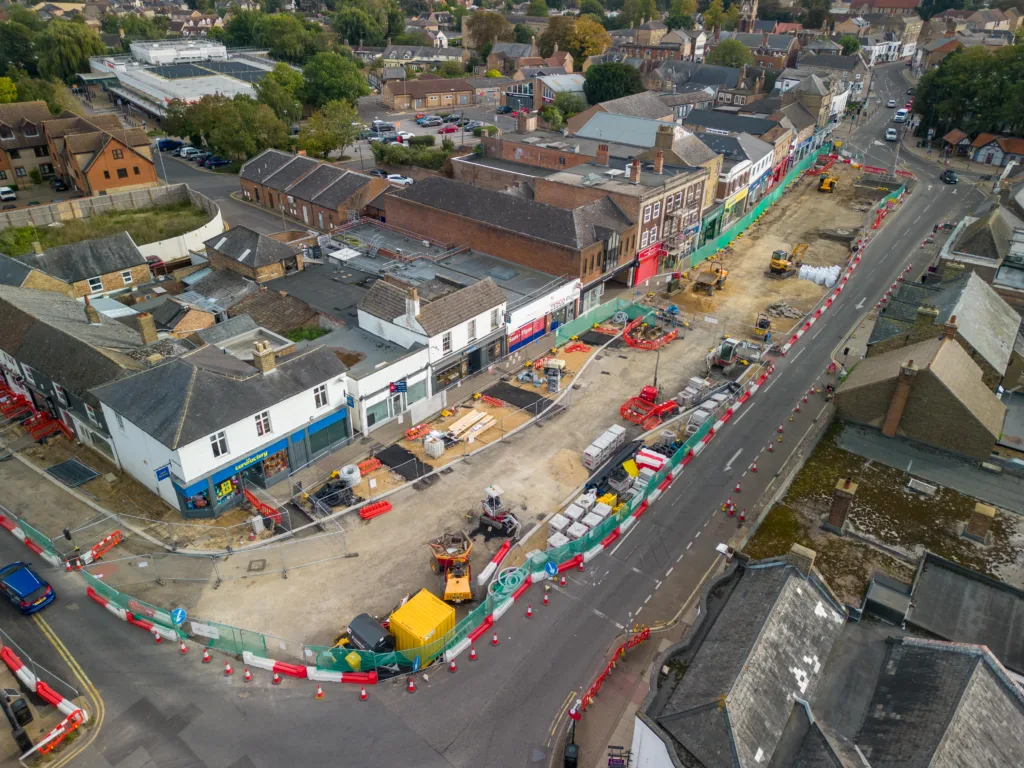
pixel 550 568
pixel 178 616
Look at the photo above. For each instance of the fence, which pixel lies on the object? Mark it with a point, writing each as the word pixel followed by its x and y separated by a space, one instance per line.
pixel 31 534
pixel 598 314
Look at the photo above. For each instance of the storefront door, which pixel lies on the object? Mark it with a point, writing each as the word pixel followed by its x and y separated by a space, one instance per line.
pixel 396 404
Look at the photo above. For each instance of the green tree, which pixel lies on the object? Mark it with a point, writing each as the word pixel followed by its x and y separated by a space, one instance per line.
pixel 522 33
pixel 593 7
pixel 285 36
pixel 109 23
pixel 587 38
pixel 282 102
pixel 412 38
pixel 611 80
pixel 17 45
pixel 35 89
pixel 553 117
pixel 850 44
pixel 683 8
pixel 485 27
pixel 330 128
pixel 636 12
pixel 678 21
pixel 714 15
pixel 569 104
pixel 140 28
pixel 537 8
pixel 331 77
pixel 492 73
pixel 355 26
pixel 287 77
pixel 559 31
pixel 19 14
pixel 451 69
pixel 240 31
pixel 64 49
pixel 8 91
pixel 732 17
pixel 730 53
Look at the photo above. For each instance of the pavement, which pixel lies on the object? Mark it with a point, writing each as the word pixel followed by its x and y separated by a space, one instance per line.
pixel 508 707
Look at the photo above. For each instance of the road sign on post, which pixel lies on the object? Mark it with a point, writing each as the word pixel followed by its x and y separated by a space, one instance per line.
pixel 550 568
pixel 178 616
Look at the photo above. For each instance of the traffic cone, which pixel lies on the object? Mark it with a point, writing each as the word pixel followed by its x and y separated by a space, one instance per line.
pixel 277 679
pixel 529 611
pixel 580 565
pixel 728 502
pixel 452 668
pixel 472 653
pixel 737 488
pixel 753 468
pixel 319 692
pixel 362 693
pixel 248 675
pixel 545 597
pixel 412 685
pixel 771 447
pixel 780 429
pixel 731 511
pixel 67 564
pixel 797 409
pixel 743 515
pixel 494 640
pixel 206 656
pixel 227 669
pixel 562 582
pixel 184 648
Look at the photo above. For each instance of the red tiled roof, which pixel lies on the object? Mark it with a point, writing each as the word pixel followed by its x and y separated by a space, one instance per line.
pixel 895 3
pixel 955 136
pixel 982 139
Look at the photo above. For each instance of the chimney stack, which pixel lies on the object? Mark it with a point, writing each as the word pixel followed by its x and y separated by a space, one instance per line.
pixel 801 558
pixel 842 503
pixel 412 306
pixel 147 327
pixel 263 357
pixel 91 314
pixel 602 154
pixel 951 270
pixel 37 247
pixel 978 526
pixel 950 328
pixel 925 319
pixel 634 172
pixel 664 136
pixel 900 396
pixel 526 122
pixel 659 161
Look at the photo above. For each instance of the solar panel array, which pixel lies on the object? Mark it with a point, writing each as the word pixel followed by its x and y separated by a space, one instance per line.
pixel 235 69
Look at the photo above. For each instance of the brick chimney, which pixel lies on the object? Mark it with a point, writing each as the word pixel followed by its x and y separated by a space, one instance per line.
pixel 842 503
pixel 801 558
pixel 526 122
pixel 91 314
pixel 147 327
pixel 949 328
pixel 664 136
pixel 978 526
pixel 899 399
pixel 412 306
pixel 659 161
pixel 263 357
pixel 926 317
pixel 634 172
pixel 951 270
pixel 718 32
pixel 602 154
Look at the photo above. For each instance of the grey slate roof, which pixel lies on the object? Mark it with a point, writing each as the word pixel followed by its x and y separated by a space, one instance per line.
pixel 250 248
pixel 313 184
pixel 829 61
pixel 341 190
pixel 620 129
pixel 206 390
pixel 384 300
pixel 512 50
pixel 88 258
pixel 724 121
pixel 225 288
pixel 263 165
pixel 643 104
pixel 742 146
pixel 448 311
pixel 578 228
pixel 169 313
pixel 228 329
pixel 12 271
pixel 290 172
pixel 753 40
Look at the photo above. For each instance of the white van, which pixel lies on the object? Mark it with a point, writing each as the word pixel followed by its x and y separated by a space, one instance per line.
pixel 900 116
pixel 6 193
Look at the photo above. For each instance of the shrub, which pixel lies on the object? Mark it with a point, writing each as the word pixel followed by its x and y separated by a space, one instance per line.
pixel 36 176
pixel 422 141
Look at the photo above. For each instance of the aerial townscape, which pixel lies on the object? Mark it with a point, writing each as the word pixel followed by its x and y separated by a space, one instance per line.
pixel 555 384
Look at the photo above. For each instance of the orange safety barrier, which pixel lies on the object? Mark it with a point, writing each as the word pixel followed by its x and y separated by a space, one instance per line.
pixel 653 343
pixel 493 401
pixel 368 466
pixel 591 693
pixel 376 509
pixel 262 507
pixel 107 544
pixel 69 726
pixel 415 433
pixel 577 346
pixel 538 364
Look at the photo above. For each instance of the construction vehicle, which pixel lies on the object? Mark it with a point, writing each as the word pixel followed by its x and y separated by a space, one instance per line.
pixel 783 265
pixel 645 409
pixel 451 560
pixel 828 182
pixel 763 326
pixel 731 354
pixel 496 515
pixel 711 278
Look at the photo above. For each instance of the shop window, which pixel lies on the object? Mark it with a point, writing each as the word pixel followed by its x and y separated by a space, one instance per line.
pixel 374 414
pixel 219 444
pixel 126 277
pixel 263 423
pixel 95 284
pixel 416 392
pixel 320 396
pixel 471 329
pixel 446 343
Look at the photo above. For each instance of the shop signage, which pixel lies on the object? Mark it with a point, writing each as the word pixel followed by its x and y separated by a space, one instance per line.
pixel 737 198
pixel 526 332
pixel 258 457
pixel 163 473
pixel 650 252
pixel 398 386
pixel 692 230
pixel 544 305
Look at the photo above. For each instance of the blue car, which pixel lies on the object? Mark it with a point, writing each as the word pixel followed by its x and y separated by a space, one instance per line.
pixel 215 162
pixel 166 145
pixel 23 587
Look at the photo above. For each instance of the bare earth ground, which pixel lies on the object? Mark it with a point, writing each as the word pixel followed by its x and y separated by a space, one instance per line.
pixel 538 468
pixel 888 513
pixel 796 218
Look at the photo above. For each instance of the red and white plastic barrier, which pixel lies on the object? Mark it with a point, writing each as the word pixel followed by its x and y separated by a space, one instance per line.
pixel 485 575
pixel 15 529
pixel 281 667
pixel 125 615
pixel 46 693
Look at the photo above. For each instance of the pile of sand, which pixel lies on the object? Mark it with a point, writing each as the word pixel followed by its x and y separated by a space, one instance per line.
pixel 567 467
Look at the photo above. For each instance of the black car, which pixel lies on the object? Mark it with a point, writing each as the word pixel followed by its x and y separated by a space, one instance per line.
pixel 948 176
pixel 59 186
pixel 504 110
pixel 451 118
pixel 380 174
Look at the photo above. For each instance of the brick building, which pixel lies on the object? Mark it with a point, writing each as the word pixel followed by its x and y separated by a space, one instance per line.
pixel 180 319
pixel 252 255
pixel 98 155
pixel 594 242
pixel 644 104
pixel 88 268
pixel 23 146
pixel 431 94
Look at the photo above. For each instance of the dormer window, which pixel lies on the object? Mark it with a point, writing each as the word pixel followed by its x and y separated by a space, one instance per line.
pixel 30 130
pixel 6 132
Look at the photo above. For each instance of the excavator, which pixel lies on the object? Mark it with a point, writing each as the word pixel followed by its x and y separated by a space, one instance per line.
pixel 783 265
pixel 828 182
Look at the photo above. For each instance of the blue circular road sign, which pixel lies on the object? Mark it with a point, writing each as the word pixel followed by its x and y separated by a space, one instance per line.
pixel 550 568
pixel 178 616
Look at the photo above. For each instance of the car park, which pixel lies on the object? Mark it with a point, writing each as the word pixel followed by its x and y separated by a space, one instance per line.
pixel 216 162
pixel 474 124
pixel 198 157
pixel 25 590
pixel 427 119
pixel 948 176
pixel 166 145
pixel 891 134
pixel 451 118
pixel 405 135
pixel 188 152
pixel 6 193
pixel 381 126
pixel 448 129
pixel 397 178
pixel 891 104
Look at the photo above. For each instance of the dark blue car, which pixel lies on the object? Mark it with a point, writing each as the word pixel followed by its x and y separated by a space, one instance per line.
pixel 23 587
pixel 215 162
pixel 166 145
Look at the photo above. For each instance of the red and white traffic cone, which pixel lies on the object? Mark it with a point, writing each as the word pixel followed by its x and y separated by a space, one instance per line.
pixel 731 511
pixel 743 515
pixel 728 502
pixel 206 656
pixel 562 582
pixel 753 468
pixel 737 488
pixel 248 675
pixel 67 564
pixel 319 692
pixel 227 669
pixel 580 564
pixel 797 409
pixel 545 597
pixel 412 685
pixel 156 637
pixel 452 668
pixel 529 611
pixel 276 680
pixel 184 648
pixel 770 447
pixel 780 429
pixel 472 653
pixel 362 693
pixel 494 640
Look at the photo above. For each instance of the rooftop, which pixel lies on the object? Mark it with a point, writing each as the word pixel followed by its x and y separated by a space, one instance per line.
pixel 89 258
pixel 250 248
pixel 644 104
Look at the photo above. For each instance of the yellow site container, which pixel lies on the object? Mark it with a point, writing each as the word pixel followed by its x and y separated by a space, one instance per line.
pixel 422 623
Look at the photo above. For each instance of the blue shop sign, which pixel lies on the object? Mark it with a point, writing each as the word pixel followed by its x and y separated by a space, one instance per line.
pixel 256 458
pixel 196 487
pixel 326 421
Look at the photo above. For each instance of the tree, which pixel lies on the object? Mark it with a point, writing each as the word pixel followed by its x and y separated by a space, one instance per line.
pixel 683 8
pixel 732 17
pixel 240 31
pixel 559 31
pixel 850 44
pixel 287 77
pixel 16 44
pixel 8 91
pixel 34 89
pixel 537 8
pixel 611 80
pixel 553 117
pixel 817 18
pixel 286 36
pixel 236 128
pixel 593 7
pixel 522 33
pixel 636 12
pixel 109 24
pixel 587 38
pixel 451 69
pixel 283 103
pixel 414 37
pixel 714 15
pixel 492 73
pixel 330 128
pixel 355 26
pixel 140 28
pixel 485 27
pixel 679 21
pixel 64 49
pixel 331 77
pixel 730 53
pixel 569 104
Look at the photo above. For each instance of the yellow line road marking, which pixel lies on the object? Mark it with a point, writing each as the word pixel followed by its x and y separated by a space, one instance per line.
pixel 91 693
pixel 561 712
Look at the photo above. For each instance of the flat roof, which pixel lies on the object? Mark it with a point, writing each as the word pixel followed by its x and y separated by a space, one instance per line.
pixel 334 289
pixel 373 352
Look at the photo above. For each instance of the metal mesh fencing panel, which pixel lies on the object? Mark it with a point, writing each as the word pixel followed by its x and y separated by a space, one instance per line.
pixel 38 538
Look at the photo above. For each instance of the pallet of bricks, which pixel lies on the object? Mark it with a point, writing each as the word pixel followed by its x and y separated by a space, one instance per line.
pixel 575 521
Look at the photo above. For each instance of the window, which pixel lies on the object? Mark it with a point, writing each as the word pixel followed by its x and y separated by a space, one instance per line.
pixel 643 239
pixel 126 276
pixel 679 196
pixel 3 175
pixel 62 396
pixel 654 235
pixel 106 174
pixel 122 173
pixel 561 161
pixel 14 154
pixel 118 154
pixel 494 319
pixel 6 133
pixel 657 210
pixel 45 169
pixel 668 203
pixel 92 414
pixel 446 343
pixel 263 423
pixel 95 284
pixel 20 173
pixel 647 213
pixel 320 396
pixel 472 329
pixel 41 151
pixel 219 444
pixel 136 169
pixel 120 421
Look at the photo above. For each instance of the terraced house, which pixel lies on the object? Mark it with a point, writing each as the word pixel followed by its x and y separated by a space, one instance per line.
pixel 23 145
pixel 98 155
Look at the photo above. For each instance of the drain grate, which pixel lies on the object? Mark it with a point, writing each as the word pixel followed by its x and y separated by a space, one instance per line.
pixel 72 473
pixel 256 566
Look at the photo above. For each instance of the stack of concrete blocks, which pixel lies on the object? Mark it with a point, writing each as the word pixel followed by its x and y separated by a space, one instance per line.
pixel 599 451
pixel 577 529
pixel 697 418
pixel 693 393
pixel 556 531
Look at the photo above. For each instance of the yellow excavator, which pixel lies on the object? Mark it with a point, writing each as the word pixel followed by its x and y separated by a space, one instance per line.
pixel 783 265
pixel 828 182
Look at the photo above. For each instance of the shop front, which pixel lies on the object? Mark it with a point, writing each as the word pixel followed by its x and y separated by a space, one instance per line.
pixel 711 224
pixel 528 322
pixel 468 361
pixel 733 208
pixel 646 265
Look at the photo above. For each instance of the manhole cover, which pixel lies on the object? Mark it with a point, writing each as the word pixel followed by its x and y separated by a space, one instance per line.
pixel 255 566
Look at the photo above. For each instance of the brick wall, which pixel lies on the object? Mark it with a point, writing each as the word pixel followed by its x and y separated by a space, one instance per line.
pixel 139 169
pixel 487 177
pixel 41 281
pixel 989 375
pixel 269 272
pixel 194 320
pixel 113 282
pixel 538 157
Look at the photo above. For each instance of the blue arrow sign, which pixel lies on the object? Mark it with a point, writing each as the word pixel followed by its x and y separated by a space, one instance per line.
pixel 178 616
pixel 550 568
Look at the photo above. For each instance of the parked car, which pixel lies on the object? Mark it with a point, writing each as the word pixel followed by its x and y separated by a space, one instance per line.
pixel 453 118
pixel 948 176
pixel 891 104
pixel 166 145
pixel 900 116
pixel 58 185
pixel 381 126
pixel 176 152
pixel 9 207
pixel 420 115
pixel 397 178
pixel 430 122
pixel 188 153
pixel 216 162
pixel 448 129
pixel 405 135
pixel 423 119
pixel 366 133
pixel 519 112
pixel 24 588
pixel 474 124
pixel 198 157
pixel 910 91
pixel 504 110
pixel 891 134
pixel 378 173
pixel 6 193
